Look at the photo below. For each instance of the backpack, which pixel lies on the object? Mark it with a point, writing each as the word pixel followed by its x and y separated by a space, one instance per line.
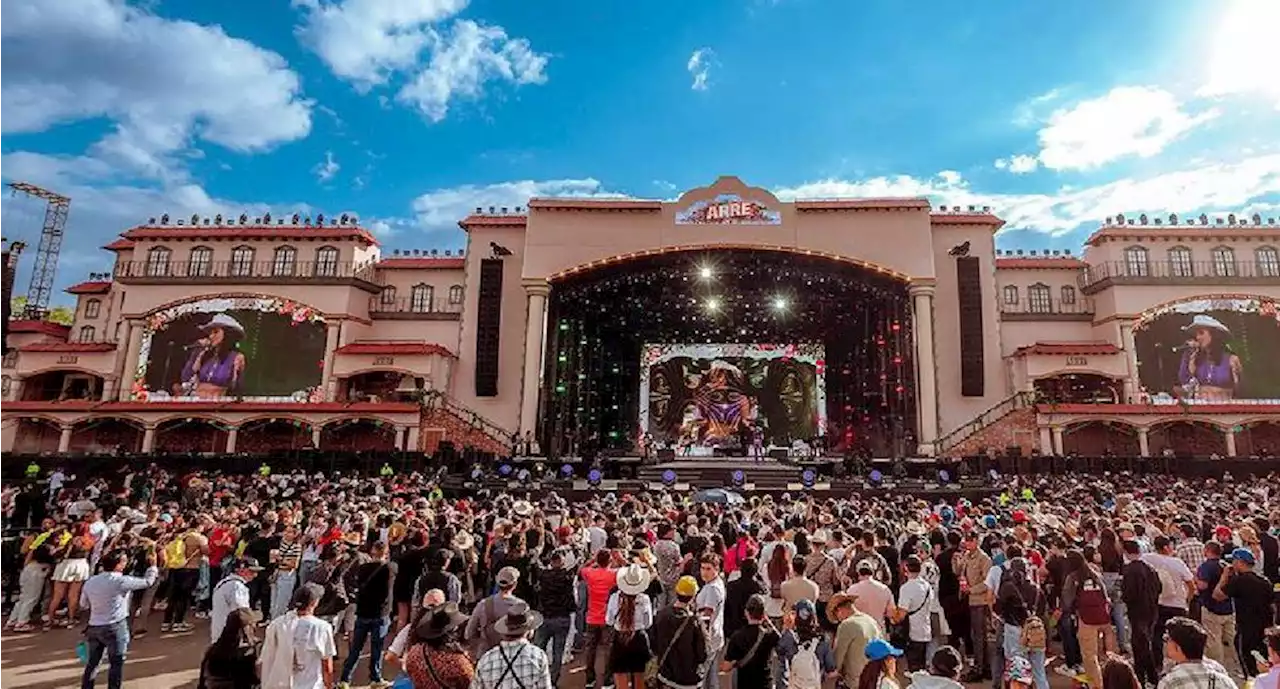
pixel 805 670
pixel 1035 637
pixel 1092 605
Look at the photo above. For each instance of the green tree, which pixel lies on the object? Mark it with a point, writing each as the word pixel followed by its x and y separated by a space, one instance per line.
pixel 62 315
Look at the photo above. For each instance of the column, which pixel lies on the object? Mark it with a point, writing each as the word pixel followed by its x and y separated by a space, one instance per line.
pixel 400 433
pixel 64 440
pixel 537 291
pixel 315 437
pixel 411 441
pixel 231 439
pixel 109 388
pixel 1144 443
pixel 926 376
pixel 1057 441
pixel 330 346
pixel 148 440
pixel 1230 434
pixel 125 389
pixel 1130 361
pixel 15 388
pixel 1046 441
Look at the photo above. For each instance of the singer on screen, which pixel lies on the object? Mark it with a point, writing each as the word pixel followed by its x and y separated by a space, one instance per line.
pixel 1208 370
pixel 215 365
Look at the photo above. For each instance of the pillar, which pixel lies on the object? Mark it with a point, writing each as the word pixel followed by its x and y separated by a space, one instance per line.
pixel 1130 362
pixel 231 439
pixel 148 440
pixel 109 389
pixel 64 440
pixel 1057 441
pixel 332 332
pixel 1046 441
pixel 411 442
pixel 400 433
pixel 534 340
pixel 1144 443
pixel 926 375
pixel 1230 434
pixel 315 437
pixel 125 390
pixel 15 388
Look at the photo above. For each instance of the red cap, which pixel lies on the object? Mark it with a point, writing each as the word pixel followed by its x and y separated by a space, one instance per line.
pixel 1222 532
pixel 1019 517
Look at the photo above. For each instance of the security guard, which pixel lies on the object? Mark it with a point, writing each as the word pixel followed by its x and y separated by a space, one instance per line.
pixel 33 470
pixel 264 470
pixel 387 470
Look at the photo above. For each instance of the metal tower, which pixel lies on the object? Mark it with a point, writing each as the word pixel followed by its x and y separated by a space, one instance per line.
pixel 46 266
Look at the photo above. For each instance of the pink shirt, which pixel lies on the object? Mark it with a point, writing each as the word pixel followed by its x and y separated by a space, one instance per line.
pixel 874 598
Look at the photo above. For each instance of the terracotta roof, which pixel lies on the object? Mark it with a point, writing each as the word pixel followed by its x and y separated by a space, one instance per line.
pixel 493 221
pixel 429 263
pixel 1041 263
pixel 417 348
pixel 1072 348
pixel 90 287
pixel 251 232
pixel 69 347
pixel 1194 232
pixel 1160 409
pixel 855 204
pixel 106 408
pixel 40 327
pixel 596 204
pixel 119 244
pixel 975 218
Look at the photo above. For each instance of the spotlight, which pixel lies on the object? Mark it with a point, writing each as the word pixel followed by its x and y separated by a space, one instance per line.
pixel 669 477
pixel 504 470
pixel 876 477
pixel 594 477
pixel 944 476
pixel 566 470
pixel 780 304
pixel 738 477
pixel 713 304
pixel 808 478
pixel 706 273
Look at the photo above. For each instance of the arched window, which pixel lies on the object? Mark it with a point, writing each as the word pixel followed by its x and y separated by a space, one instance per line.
pixel 92 308
pixel 420 300
pixel 158 261
pixel 200 261
pixel 242 261
pixel 326 262
pixel 1011 294
pixel 1180 265
pixel 87 333
pixel 455 294
pixel 1039 298
pixel 1224 262
pixel 1268 261
pixel 285 260
pixel 1135 262
pixel 388 295
pixel 1068 295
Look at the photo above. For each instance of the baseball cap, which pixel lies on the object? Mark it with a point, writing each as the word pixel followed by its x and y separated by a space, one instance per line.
pixel 1243 555
pixel 248 563
pixel 508 576
pixel 879 649
pixel 687 586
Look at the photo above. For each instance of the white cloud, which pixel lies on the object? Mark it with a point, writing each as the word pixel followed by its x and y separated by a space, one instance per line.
pixel 1242 52
pixel 1127 121
pixel 699 67
pixel 1018 164
pixel 375 42
pixel 441 209
pixel 163 83
pixel 327 168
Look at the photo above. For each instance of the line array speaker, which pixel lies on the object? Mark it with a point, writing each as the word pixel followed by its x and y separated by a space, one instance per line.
pixel 488 327
pixel 972 362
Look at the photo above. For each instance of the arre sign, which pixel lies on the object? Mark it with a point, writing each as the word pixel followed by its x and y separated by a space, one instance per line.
pixel 1077 361
pixel 728 209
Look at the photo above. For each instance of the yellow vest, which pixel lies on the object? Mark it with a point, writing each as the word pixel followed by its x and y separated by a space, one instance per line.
pixel 33 470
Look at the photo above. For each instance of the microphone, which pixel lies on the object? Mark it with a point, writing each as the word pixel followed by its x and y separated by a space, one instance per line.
pixel 198 344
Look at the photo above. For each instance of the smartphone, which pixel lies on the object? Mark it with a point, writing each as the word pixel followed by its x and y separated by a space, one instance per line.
pixel 1262 660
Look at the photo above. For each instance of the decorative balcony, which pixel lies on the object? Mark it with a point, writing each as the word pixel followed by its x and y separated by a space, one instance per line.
pixel 362 274
pixel 1027 309
pixel 410 309
pixel 1100 276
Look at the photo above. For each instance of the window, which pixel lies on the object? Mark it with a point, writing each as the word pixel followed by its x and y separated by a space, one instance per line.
pixel 421 298
pixel 286 259
pixel 242 261
pixel 87 333
pixel 1180 262
pixel 1135 262
pixel 5 384
pixel 1010 294
pixel 1224 262
pixel 92 308
pixel 201 261
pixel 158 261
pixel 1268 262
pixel 1039 298
pixel 326 262
pixel 388 295
pixel 1068 295
pixel 455 294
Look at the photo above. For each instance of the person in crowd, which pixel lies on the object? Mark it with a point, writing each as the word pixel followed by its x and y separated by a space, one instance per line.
pixel 1140 588
pixel 741 586
pixel 747 653
pixel 710 602
pixel 914 599
pixel 1251 595
pixel 373 588
pixel 435 658
pixel 1268 667
pixel 881 669
pixel 231 594
pixel 106 595
pixel 855 630
pixel 944 671
pixel 1119 674
pixel 679 639
pixel 555 591
pixel 183 558
pixel 38 563
pixel 805 655
pixel 1024 635
pixel 1084 595
pixel 231 661
pixel 799 586
pixel 629 616
pixel 481 631
pixel 599 577
pixel 1184 641
pixel 971 566
pixel 514 663
pixel 875 598
pixel 71 548
pixel 1177 582
pixel 286 557
pixel 1217 616
pixel 298 649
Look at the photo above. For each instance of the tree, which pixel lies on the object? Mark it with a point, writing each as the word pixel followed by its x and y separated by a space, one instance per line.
pixel 62 315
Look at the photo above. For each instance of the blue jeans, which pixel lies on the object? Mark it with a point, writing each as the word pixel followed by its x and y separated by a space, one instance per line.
pixel 1013 647
pixel 112 639
pixel 282 592
pixel 375 630
pixel 1119 612
pixel 555 630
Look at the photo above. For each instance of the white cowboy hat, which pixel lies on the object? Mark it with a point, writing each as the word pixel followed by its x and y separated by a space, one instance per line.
pixel 225 322
pixel 1203 320
pixel 462 541
pixel 522 508
pixel 634 579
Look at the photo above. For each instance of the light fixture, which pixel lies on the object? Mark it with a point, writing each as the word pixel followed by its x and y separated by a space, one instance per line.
pixel 706 273
pixel 780 304
pixel 713 304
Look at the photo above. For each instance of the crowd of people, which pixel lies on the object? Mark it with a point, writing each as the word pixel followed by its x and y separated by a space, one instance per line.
pixel 1117 582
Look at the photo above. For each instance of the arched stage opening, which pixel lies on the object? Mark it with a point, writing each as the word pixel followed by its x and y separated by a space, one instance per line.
pixel 1097 438
pixel 1078 388
pixel 101 435
pixel 273 435
pixel 707 347
pixel 355 435
pixel 190 435
pixel 1189 438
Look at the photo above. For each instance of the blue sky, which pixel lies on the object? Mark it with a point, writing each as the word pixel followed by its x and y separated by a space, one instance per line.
pixel 411 112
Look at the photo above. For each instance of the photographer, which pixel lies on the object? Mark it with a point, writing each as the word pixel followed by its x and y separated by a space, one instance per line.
pixel 1250 593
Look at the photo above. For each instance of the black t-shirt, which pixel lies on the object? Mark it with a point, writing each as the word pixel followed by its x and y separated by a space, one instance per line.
pixel 754 673
pixel 1251 593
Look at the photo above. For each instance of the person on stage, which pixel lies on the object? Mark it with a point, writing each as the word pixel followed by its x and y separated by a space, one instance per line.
pixel 216 365
pixel 757 443
pixel 1208 370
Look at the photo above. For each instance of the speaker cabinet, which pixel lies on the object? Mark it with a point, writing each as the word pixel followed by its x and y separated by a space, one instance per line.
pixel 969 291
pixel 488 327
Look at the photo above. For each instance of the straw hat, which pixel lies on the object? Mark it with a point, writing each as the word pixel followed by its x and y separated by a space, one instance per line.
pixel 634 579
pixel 838 601
pixel 463 541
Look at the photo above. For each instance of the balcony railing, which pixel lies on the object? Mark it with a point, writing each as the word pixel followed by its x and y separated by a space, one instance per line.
pixel 244 271
pixel 1079 309
pixel 1102 275
pixel 408 308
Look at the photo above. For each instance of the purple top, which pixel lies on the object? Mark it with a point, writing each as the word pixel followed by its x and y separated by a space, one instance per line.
pixel 1207 373
pixel 212 371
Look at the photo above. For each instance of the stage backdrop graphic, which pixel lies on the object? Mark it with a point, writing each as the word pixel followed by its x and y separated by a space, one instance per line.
pixel 252 348
pixel 1210 350
pixel 721 389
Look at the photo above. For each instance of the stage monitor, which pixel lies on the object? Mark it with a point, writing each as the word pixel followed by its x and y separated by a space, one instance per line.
pixel 714 395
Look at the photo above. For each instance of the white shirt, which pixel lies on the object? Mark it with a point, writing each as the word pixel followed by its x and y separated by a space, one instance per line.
pixel 596 538
pixel 916 593
pixel 56 480
pixel 312 643
pixel 643 618
pixel 1168 566
pixel 712 596
pixel 229 595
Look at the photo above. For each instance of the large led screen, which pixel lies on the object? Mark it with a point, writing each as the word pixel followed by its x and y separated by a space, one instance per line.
pixel 253 348
pixel 720 394
pixel 1210 350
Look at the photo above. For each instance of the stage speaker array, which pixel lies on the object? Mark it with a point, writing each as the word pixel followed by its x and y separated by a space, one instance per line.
pixel 969 291
pixel 488 327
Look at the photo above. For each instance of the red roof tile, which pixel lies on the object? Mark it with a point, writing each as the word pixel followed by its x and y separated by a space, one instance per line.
pixel 1071 348
pixel 1035 263
pixel 40 327
pixel 119 244
pixel 69 347
pixel 429 263
pixel 252 232
pixel 855 204
pixel 585 203
pixel 976 218
pixel 417 348
pixel 90 287
pixel 1161 409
